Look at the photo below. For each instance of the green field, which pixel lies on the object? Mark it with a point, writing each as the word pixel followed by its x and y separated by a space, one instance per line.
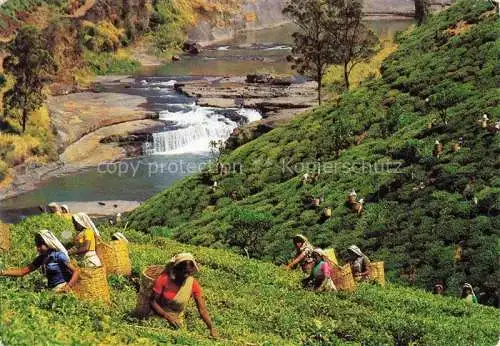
pixel 418 207
pixel 251 303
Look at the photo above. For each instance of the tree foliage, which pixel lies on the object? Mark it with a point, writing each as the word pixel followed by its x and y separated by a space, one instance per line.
pixel 32 65
pixel 248 230
pixel 330 32
pixel 354 42
pixel 313 47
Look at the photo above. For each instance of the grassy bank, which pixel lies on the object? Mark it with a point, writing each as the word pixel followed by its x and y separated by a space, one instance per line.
pixel 419 208
pixel 251 302
pixel 34 147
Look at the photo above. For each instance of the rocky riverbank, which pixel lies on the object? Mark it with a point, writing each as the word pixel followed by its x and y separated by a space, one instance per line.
pixel 92 128
pixel 278 100
pixel 76 115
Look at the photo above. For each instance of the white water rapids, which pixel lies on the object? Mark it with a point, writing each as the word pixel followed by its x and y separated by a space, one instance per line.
pixel 192 127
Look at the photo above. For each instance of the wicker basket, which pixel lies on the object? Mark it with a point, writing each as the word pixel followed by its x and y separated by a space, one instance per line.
pixel 4 237
pixel 330 253
pixel 342 278
pixel 327 212
pixel 92 285
pixel 377 272
pixel 148 278
pixel 115 257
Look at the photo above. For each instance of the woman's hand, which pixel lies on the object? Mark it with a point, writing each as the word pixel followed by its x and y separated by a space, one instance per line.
pixel 213 333
pixel 174 322
pixel 66 289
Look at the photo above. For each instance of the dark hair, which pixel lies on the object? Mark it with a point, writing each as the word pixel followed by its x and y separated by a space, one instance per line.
pixel 181 267
pixel 39 240
pixel 298 239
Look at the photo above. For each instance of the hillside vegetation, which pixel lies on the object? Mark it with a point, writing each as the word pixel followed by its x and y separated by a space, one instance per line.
pixel 418 207
pixel 251 302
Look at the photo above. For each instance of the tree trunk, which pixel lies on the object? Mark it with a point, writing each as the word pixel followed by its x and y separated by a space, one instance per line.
pixel 320 81
pixel 420 11
pixel 346 75
pixel 25 119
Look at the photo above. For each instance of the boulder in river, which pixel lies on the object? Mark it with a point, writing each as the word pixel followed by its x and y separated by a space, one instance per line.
pixel 268 79
pixel 192 48
pixel 259 78
pixel 176 58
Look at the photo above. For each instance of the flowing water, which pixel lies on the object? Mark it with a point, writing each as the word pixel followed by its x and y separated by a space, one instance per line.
pixel 183 147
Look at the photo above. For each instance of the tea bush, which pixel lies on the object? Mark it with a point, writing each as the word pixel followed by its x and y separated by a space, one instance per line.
pixel 385 153
pixel 251 302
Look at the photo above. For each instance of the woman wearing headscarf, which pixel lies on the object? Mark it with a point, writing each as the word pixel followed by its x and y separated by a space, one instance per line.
pixel 53 262
pixel 65 212
pixel 320 279
pixel 438 290
pixel 468 294
pixel 85 241
pixel 303 256
pixel 360 264
pixel 174 288
pixel 54 208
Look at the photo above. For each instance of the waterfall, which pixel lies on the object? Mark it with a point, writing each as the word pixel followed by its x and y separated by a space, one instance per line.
pixel 194 127
pixel 191 127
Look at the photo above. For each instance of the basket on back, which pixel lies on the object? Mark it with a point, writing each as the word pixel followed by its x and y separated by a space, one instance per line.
pixel 92 285
pixel 343 279
pixel 4 237
pixel 377 272
pixel 115 257
pixel 330 255
pixel 148 278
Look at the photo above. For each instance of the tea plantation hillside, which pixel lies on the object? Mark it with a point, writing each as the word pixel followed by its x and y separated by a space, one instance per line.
pixel 379 140
pixel 251 303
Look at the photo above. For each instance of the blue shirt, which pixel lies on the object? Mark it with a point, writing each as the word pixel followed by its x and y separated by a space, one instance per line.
pixel 54 266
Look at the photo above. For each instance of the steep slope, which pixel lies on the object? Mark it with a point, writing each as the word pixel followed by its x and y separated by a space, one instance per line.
pixel 419 207
pixel 251 303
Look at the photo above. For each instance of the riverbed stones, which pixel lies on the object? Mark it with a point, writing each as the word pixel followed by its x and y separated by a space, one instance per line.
pixel 192 48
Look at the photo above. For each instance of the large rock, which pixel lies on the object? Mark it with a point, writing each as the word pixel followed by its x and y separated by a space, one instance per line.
pixel 268 79
pixel 192 48
pixel 259 78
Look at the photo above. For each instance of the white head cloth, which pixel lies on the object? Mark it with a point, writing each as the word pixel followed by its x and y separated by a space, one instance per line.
pixel 356 250
pixel 65 208
pixel 52 242
pixel 182 257
pixel 84 220
pixel 120 236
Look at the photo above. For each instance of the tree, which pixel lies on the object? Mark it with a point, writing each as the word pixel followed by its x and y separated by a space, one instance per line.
pixel 354 42
pixel 336 137
pixel 248 230
pixel 313 49
pixel 330 32
pixel 217 149
pixel 421 10
pixel 32 65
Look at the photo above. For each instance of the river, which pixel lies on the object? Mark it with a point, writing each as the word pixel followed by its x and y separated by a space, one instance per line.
pixel 183 148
